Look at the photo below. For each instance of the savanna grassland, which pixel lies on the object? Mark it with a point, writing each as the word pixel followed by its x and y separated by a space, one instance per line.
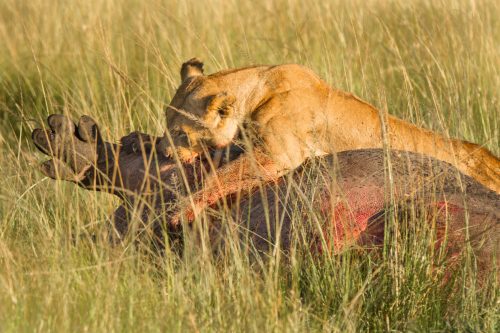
pixel 434 63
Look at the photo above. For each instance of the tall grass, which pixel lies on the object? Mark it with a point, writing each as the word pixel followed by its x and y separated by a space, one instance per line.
pixel 435 63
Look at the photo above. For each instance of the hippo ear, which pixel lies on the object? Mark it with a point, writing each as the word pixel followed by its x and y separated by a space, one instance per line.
pixel 191 68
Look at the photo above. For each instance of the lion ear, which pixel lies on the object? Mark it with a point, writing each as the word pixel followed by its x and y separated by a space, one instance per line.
pixel 222 103
pixel 219 106
pixel 191 68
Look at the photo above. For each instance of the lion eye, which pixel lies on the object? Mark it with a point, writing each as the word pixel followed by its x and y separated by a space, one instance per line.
pixel 175 131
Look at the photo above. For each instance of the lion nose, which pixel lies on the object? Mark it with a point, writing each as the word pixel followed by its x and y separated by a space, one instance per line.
pixel 165 147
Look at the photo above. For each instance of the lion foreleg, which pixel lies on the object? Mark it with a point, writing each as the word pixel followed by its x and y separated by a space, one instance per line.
pixel 245 173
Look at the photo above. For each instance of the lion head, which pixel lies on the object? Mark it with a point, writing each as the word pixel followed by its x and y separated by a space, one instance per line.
pixel 200 115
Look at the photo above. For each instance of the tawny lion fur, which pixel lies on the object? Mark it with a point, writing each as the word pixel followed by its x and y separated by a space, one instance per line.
pixel 289 114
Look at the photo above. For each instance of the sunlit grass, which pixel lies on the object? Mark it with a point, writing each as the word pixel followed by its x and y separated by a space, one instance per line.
pixel 435 63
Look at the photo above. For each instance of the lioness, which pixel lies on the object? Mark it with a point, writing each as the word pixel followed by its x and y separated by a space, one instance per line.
pixel 289 114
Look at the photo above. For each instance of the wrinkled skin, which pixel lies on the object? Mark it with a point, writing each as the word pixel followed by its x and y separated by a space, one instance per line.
pixel 287 114
pixel 349 194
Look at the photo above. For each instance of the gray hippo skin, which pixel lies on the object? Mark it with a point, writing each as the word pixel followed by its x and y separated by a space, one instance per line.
pixel 344 199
